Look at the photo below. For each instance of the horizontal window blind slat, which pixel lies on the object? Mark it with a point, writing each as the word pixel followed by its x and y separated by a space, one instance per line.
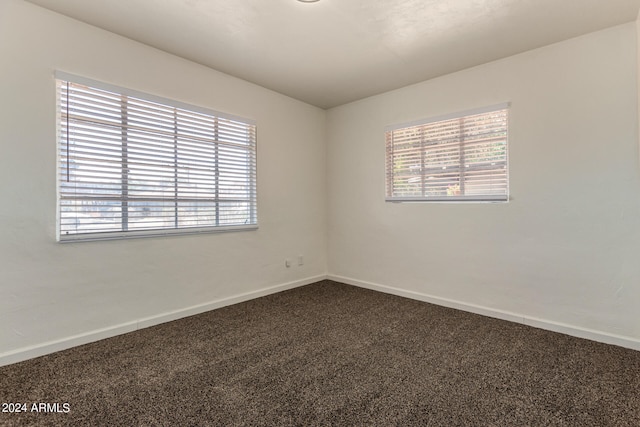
pixel 127 163
pixel 461 157
pixel 99 122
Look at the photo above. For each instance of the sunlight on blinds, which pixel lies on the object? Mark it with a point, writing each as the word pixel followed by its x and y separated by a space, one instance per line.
pixel 130 164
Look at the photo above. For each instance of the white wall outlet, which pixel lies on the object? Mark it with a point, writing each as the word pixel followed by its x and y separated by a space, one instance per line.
pixel 287 263
pixel 300 260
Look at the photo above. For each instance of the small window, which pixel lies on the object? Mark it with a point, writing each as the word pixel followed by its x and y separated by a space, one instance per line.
pixel 133 165
pixel 460 157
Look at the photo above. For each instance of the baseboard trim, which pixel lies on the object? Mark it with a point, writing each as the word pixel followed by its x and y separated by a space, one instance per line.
pixel 579 332
pixel 31 352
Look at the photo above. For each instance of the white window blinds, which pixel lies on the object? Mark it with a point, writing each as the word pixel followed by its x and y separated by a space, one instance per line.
pixel 132 164
pixel 461 157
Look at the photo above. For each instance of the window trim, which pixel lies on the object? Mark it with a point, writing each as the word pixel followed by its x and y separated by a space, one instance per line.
pixel 451 199
pixel 159 232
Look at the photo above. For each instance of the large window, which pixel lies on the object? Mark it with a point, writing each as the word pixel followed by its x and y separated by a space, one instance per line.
pixel 131 164
pixel 460 157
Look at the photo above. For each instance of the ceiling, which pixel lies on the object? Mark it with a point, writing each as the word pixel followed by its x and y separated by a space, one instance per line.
pixel 335 51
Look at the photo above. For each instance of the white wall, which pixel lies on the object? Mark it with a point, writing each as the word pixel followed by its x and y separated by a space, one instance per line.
pixel 52 294
pixel 564 253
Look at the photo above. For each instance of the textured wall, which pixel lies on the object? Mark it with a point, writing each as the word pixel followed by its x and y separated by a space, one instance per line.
pixel 51 291
pixel 565 248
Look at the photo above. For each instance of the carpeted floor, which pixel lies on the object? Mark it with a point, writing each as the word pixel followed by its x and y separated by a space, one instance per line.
pixel 332 354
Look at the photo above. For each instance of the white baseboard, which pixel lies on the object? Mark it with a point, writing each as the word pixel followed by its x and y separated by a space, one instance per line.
pixel 26 353
pixel 593 335
pixel 30 352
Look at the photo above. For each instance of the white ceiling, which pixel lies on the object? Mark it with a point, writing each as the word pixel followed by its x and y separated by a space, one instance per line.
pixel 336 51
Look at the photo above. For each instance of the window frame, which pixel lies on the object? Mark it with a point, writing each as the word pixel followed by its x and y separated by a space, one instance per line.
pixel 487 198
pixel 251 174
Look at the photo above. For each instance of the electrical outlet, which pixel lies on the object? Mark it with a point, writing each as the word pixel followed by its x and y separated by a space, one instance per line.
pixel 300 260
pixel 287 263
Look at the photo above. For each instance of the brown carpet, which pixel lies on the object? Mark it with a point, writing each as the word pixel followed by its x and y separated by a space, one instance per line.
pixel 332 354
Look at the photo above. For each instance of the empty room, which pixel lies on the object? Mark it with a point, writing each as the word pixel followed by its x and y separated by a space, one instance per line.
pixel 320 212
